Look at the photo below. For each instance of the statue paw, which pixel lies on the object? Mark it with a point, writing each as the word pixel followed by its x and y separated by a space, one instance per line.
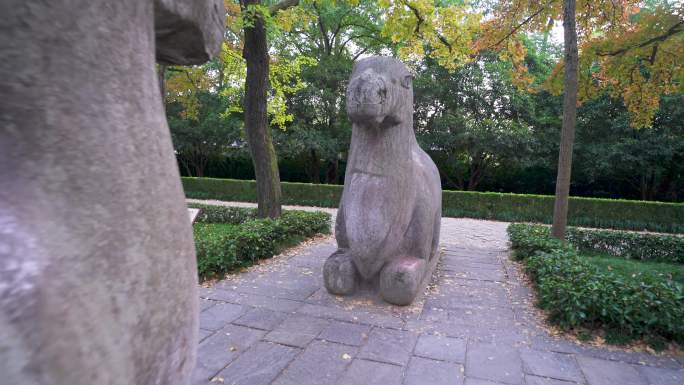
pixel 400 280
pixel 339 274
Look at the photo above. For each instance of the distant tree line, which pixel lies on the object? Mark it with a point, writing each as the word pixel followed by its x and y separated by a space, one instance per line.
pixel 484 130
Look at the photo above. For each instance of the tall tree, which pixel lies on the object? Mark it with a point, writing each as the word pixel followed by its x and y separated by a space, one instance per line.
pixel 560 208
pixel 259 139
pixel 255 52
pixel 251 84
pixel 620 54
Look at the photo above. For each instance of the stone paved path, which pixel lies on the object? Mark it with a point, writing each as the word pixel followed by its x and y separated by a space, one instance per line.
pixel 474 325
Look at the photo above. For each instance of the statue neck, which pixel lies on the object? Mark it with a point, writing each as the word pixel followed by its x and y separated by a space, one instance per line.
pixel 381 150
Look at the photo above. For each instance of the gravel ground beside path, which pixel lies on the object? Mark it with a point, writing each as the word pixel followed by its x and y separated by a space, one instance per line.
pixel 275 323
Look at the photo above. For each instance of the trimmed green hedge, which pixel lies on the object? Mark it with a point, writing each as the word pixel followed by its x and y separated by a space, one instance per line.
pixel 588 212
pixel 628 245
pixel 227 238
pixel 621 244
pixel 576 293
pixel 223 214
pixel 303 194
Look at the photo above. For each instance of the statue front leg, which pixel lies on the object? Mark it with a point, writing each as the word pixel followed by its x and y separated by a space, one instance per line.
pixel 401 279
pixel 339 273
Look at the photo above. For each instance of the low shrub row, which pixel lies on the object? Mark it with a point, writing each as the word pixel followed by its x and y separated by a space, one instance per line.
pixel 589 212
pixel 628 245
pixel 223 214
pixel 578 294
pixel 224 246
pixel 622 244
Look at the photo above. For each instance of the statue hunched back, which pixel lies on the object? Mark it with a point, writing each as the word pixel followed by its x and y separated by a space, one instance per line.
pixel 388 221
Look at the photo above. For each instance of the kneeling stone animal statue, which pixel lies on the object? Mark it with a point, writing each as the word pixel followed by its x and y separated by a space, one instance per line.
pixel 388 220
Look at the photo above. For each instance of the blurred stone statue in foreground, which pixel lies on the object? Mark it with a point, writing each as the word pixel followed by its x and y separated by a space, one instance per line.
pixel 388 220
pixel 98 281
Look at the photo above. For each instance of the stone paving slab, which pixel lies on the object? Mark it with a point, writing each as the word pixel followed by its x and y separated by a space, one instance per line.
pixel 321 363
pixel 442 348
pixel 536 380
pixel 219 315
pixel 260 318
pixel 603 372
pixel 553 365
pixel 221 348
pixel 479 381
pixel 259 365
pixel 424 371
pixel 661 376
pixel 346 333
pixel 255 300
pixel 499 363
pixel 298 331
pixel 206 304
pixel 276 324
pixel 390 346
pixel 372 373
pixel 203 334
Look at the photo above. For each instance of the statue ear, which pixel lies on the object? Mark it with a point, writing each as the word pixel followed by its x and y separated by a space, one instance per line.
pixel 406 81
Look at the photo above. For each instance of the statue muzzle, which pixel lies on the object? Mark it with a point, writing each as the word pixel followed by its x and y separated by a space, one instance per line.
pixel 366 97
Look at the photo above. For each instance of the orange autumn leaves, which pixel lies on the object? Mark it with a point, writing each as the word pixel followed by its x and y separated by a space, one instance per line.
pixel 629 50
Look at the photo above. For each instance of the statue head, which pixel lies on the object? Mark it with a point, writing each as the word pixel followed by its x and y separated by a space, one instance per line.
pixel 379 92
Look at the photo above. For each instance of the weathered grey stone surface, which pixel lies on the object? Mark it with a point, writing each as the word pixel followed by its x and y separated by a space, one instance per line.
pixel 346 333
pixel 260 318
pixel 372 373
pixel 98 282
pixel 297 331
pixel 493 362
pixel 218 316
pixel 555 365
pixel 604 372
pixel 188 31
pixel 222 348
pixel 536 380
pixel 260 365
pixel 441 348
pixel 322 363
pixel 390 346
pixel 423 371
pixel 388 221
pixel 662 376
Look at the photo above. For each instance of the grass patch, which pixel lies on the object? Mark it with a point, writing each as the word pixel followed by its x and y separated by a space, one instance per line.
pixel 631 269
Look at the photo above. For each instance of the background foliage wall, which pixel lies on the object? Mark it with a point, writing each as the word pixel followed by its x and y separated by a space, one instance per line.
pixel 484 131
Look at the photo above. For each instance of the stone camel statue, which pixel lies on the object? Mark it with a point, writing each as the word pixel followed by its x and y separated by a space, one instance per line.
pixel 388 220
pixel 98 277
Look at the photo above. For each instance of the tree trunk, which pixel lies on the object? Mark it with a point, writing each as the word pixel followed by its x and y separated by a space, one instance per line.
pixel 476 170
pixel 259 139
pixel 332 173
pixel 185 165
pixel 315 167
pixel 560 210
pixel 663 190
